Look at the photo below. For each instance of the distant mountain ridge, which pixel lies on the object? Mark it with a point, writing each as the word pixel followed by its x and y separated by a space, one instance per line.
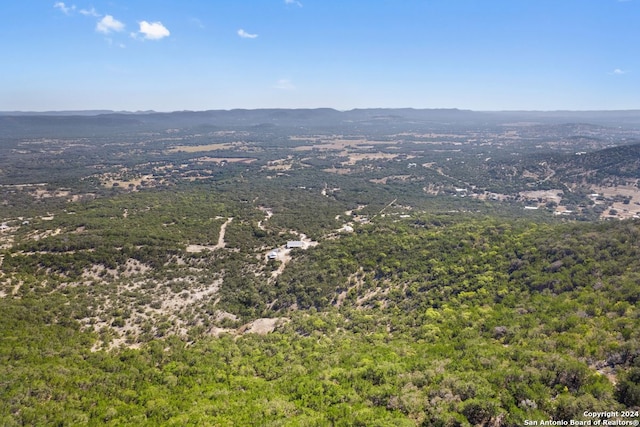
pixel 354 110
pixel 101 121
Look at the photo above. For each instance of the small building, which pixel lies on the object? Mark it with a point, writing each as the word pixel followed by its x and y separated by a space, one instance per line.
pixel 291 244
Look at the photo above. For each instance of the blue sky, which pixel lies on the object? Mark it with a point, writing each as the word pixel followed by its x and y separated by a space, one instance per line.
pixel 168 55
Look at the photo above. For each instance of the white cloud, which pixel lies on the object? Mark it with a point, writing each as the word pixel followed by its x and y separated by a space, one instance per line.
pixel 89 12
pixel 618 71
pixel 242 33
pixel 64 8
pixel 296 2
pixel 284 84
pixel 153 30
pixel 109 24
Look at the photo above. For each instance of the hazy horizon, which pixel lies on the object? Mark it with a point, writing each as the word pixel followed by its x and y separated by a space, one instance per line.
pixel 109 111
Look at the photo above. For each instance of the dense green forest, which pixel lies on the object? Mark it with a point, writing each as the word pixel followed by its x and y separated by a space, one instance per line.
pixel 443 320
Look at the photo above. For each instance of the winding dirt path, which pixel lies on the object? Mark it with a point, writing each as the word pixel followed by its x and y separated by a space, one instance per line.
pixel 221 243
pixel 283 254
pixel 269 213
pixel 223 228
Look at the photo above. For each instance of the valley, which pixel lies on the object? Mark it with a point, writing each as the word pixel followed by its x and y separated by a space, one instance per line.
pixel 318 267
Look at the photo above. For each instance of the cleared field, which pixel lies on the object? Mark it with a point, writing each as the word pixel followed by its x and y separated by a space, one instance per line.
pixel 225 159
pixel 622 210
pixel 356 157
pixel 543 195
pixel 198 148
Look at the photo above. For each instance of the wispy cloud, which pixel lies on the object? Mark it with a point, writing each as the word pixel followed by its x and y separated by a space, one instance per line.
pixel 112 43
pixel 89 12
pixel 618 72
pixel 284 84
pixel 109 24
pixel 64 8
pixel 296 2
pixel 242 33
pixel 153 30
pixel 198 23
